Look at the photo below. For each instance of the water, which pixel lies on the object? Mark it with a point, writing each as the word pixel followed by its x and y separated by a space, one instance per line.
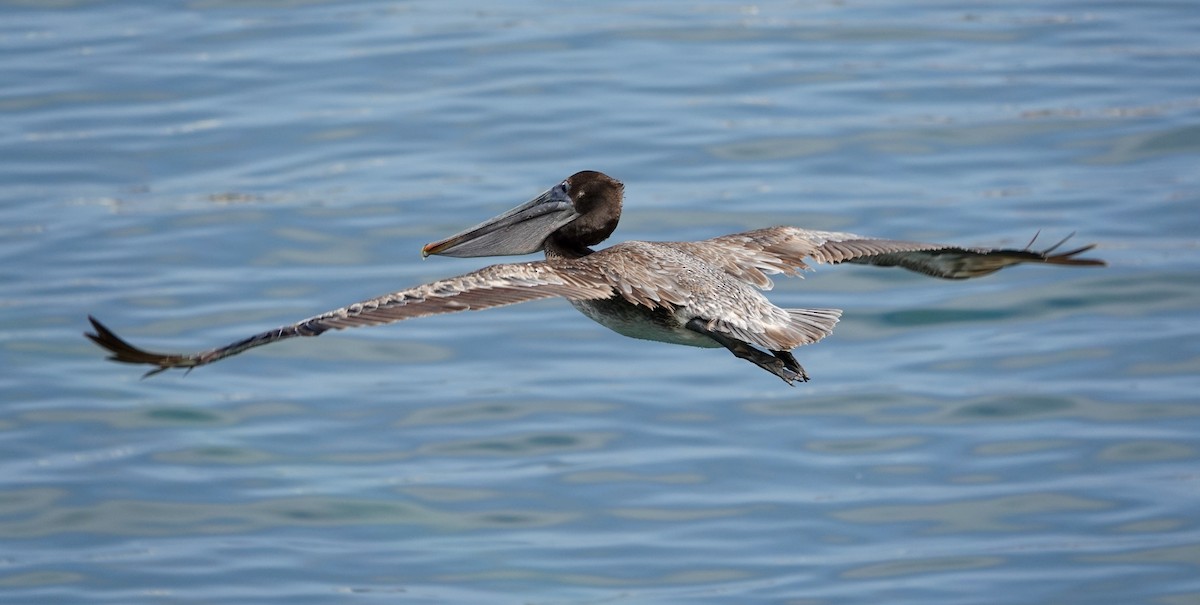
pixel 195 172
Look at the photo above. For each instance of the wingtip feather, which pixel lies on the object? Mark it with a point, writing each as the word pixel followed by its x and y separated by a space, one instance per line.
pixel 1065 258
pixel 122 352
pixel 1068 257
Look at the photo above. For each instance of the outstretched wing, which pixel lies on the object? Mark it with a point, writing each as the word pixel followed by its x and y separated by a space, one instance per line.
pixel 753 255
pixel 493 286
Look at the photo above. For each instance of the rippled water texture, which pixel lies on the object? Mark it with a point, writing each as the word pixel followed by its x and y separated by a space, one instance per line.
pixel 193 172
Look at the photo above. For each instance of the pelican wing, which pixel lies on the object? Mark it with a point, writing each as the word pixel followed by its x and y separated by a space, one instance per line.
pixel 493 286
pixel 753 255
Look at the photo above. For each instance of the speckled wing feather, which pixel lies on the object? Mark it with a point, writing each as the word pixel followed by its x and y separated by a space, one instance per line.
pixel 753 255
pixel 493 286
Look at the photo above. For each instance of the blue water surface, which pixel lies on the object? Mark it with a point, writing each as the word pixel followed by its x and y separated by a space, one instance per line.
pixel 195 172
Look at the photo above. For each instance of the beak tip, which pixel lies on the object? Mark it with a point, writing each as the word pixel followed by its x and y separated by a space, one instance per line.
pixel 432 248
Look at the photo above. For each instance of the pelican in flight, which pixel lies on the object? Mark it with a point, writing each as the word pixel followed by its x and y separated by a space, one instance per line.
pixel 701 294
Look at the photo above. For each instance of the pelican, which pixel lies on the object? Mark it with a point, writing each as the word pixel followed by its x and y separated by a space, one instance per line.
pixel 701 294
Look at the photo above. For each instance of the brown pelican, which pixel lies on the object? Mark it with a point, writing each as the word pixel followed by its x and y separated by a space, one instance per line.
pixel 702 294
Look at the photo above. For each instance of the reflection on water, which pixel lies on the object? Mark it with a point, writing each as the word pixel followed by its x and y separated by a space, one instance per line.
pixel 193 174
pixel 521 445
pixel 497 412
pixel 918 410
pixel 1002 514
pixel 922 567
pixel 146 518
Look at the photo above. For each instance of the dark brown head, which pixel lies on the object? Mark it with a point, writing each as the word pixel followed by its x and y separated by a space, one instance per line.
pixel 597 199
pixel 579 212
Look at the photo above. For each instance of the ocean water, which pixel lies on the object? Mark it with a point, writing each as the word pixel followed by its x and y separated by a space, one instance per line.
pixel 195 172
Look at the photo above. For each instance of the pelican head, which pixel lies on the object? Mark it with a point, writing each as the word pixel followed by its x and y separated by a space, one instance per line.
pixel 581 211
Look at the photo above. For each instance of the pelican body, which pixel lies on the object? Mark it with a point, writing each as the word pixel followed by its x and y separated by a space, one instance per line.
pixel 703 294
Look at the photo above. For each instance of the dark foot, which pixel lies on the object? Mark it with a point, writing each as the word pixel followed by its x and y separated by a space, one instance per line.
pixel 779 363
pixel 789 361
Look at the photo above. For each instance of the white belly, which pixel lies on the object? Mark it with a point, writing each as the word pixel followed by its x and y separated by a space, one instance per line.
pixel 633 321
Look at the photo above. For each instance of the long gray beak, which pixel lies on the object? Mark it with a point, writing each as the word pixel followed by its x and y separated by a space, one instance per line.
pixel 522 230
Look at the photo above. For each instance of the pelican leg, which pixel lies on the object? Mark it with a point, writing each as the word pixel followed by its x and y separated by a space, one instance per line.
pixel 779 363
